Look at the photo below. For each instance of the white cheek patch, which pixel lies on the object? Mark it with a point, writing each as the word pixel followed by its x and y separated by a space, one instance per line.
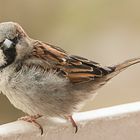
pixel 2 58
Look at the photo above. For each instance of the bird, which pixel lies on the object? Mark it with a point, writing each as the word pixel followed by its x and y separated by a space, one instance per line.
pixel 44 80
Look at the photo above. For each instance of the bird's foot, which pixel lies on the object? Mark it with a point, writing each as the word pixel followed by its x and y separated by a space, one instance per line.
pixel 70 118
pixel 32 119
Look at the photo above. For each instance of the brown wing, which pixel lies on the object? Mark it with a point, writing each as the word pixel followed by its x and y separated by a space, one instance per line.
pixel 76 69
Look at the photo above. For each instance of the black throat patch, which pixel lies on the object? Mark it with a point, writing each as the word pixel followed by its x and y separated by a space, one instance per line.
pixel 10 55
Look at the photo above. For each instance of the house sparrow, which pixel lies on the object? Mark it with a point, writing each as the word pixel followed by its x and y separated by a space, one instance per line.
pixel 43 80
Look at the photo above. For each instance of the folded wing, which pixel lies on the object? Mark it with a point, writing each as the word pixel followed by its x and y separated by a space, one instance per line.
pixel 75 68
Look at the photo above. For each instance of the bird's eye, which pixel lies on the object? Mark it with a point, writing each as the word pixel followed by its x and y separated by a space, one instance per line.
pixel 15 40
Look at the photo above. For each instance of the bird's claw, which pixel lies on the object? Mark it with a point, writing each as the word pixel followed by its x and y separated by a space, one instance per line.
pixel 32 119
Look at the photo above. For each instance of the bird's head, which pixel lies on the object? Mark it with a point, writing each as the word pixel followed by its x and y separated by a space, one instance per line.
pixel 14 43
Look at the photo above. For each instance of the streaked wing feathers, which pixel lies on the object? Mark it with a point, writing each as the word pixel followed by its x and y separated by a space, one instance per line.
pixel 77 69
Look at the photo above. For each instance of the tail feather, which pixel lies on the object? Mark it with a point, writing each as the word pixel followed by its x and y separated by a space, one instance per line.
pixel 122 66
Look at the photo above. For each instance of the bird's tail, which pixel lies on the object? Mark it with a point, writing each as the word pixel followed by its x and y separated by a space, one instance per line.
pixel 122 66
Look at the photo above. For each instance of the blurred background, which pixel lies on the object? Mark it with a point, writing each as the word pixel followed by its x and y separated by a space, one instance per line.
pixel 105 31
